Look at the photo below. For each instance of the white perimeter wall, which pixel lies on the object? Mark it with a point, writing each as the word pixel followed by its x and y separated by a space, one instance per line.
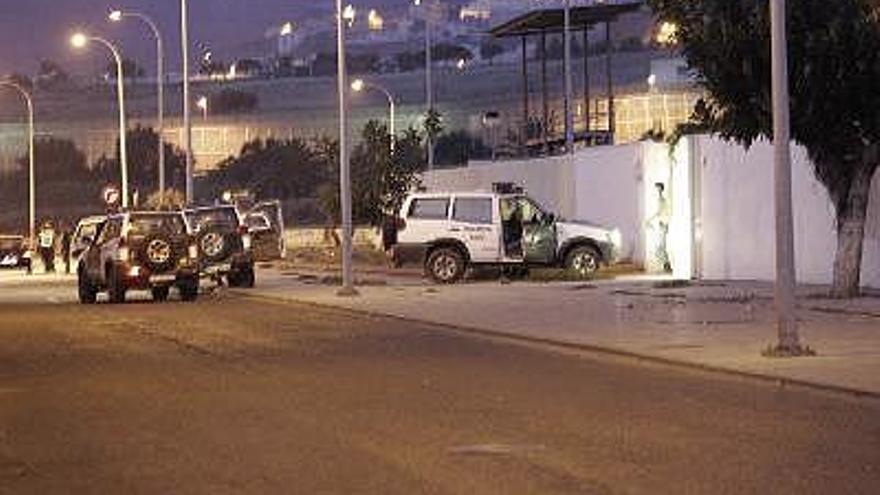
pixel 732 195
pixel 738 214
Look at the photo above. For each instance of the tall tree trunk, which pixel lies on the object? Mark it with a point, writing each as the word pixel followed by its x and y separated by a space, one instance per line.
pixel 851 233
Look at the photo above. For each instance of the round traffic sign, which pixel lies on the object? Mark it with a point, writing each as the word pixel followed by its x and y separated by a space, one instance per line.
pixel 110 195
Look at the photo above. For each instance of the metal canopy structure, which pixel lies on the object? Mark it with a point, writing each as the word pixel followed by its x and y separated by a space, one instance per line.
pixel 549 21
pixel 540 23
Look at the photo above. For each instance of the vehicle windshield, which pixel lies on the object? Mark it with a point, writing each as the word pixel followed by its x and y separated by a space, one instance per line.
pixel 154 224
pixel 212 216
pixel 89 230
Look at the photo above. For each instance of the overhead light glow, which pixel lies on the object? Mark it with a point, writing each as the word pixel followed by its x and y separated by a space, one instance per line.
pixel 79 40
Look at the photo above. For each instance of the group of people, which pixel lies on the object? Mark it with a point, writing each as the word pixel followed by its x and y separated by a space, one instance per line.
pixel 50 243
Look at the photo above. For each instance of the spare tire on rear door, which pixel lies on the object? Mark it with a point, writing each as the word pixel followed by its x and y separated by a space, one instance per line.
pixel 158 253
pixel 215 243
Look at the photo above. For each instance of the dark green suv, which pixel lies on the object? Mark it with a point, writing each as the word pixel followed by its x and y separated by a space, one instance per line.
pixel 152 251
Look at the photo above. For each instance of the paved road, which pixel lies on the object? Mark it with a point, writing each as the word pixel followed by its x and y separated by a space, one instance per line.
pixel 230 395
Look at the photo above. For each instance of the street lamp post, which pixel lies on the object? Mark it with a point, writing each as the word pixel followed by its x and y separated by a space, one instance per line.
pixel 117 16
pixel 28 98
pixel 187 122
pixel 788 339
pixel 569 117
pixel 430 12
pixel 359 84
pixel 80 40
pixel 344 166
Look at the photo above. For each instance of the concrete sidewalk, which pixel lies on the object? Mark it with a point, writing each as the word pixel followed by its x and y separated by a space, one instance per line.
pixel 714 325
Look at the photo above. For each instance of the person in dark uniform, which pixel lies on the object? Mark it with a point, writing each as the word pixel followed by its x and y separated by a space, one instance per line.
pixel 66 237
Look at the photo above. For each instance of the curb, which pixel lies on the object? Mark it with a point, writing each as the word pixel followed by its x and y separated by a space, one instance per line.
pixel 780 381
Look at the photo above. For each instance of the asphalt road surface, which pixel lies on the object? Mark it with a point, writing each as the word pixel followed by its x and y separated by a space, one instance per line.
pixel 237 396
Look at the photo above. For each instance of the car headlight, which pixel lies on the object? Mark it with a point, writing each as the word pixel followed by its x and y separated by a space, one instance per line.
pixel 246 241
pixel 122 254
pixel 615 238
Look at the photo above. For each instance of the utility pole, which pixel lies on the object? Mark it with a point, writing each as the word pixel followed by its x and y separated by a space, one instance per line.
pixel 347 288
pixel 788 339
pixel 429 77
pixel 187 122
pixel 569 117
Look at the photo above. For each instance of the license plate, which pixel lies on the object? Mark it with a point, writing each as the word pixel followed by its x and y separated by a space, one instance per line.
pixel 162 278
pixel 219 268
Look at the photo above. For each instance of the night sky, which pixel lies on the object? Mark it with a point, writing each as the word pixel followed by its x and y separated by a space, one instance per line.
pixel 31 30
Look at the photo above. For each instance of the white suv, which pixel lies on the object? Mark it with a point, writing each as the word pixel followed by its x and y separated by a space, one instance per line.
pixel 449 231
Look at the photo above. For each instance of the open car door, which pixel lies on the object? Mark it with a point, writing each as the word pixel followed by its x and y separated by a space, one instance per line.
pixel 266 224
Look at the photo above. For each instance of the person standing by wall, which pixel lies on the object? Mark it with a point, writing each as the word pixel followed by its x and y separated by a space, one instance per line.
pixel 659 223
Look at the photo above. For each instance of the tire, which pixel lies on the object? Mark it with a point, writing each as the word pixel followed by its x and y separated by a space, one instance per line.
pixel 160 294
pixel 189 290
pixel 157 252
pixel 445 265
pixel 583 261
pixel 215 243
pixel 115 287
pixel 88 294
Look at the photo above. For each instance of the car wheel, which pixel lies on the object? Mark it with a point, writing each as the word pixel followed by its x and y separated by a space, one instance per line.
pixel 160 294
pixel 189 290
pixel 88 294
pixel 583 261
pixel 445 265
pixel 115 287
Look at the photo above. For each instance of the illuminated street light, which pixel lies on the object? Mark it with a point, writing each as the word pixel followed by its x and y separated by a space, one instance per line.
pixel 359 85
pixel 349 15
pixel 287 29
pixel 118 16
pixel 28 98
pixel 667 34
pixel 202 103
pixel 375 22
pixel 79 41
